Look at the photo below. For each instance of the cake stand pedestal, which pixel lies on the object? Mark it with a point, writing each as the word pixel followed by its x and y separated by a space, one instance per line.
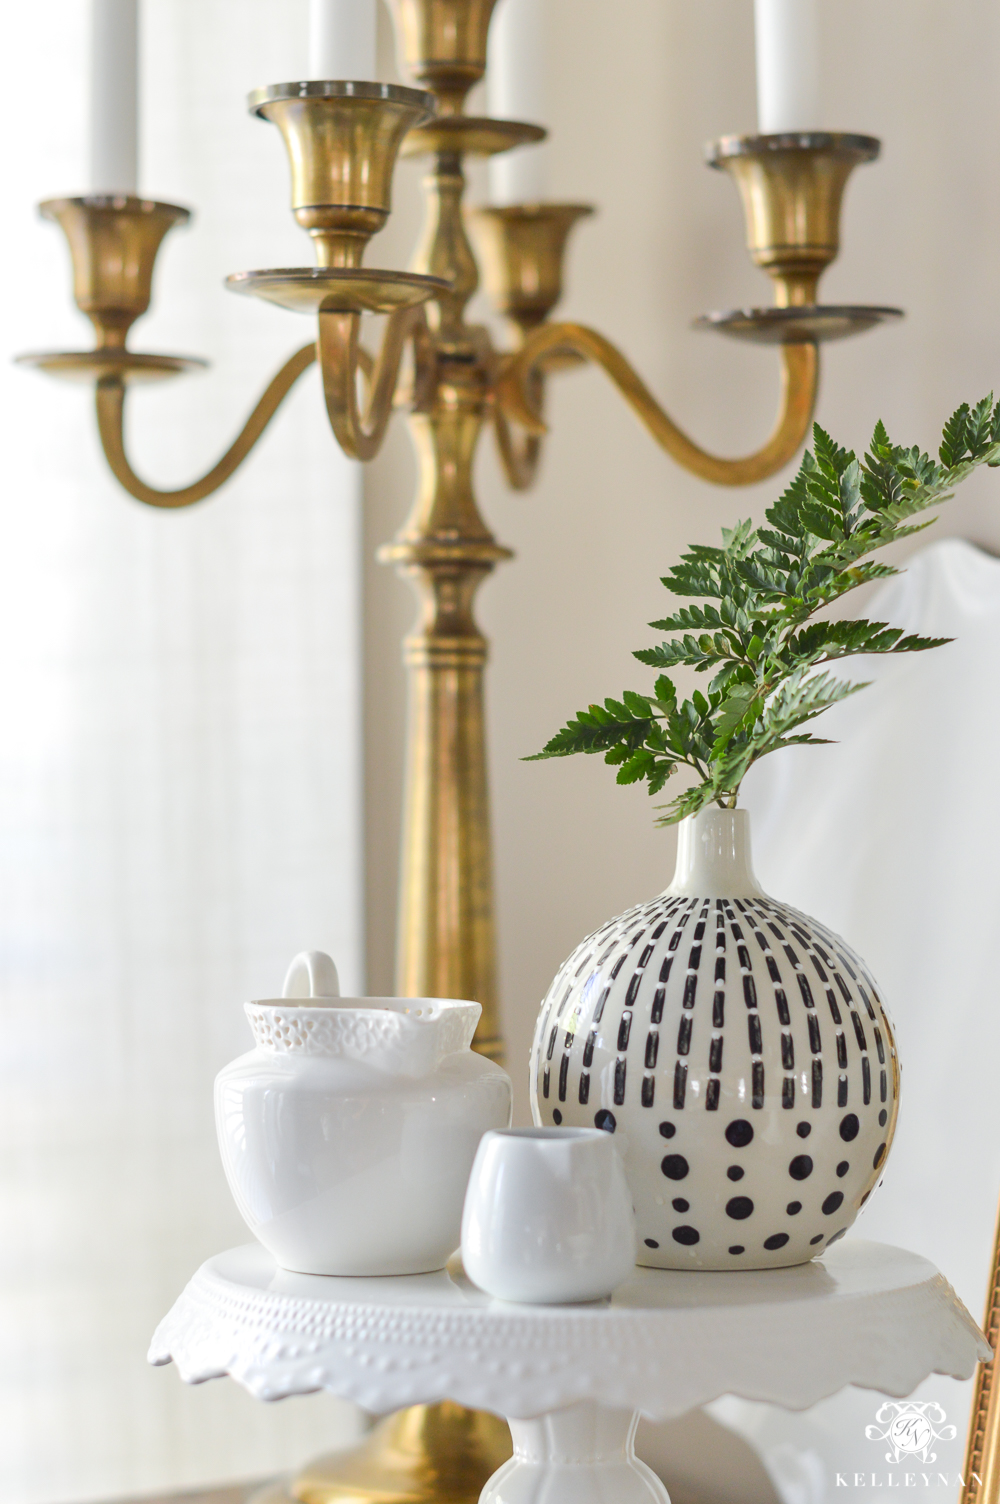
pixel 573 1380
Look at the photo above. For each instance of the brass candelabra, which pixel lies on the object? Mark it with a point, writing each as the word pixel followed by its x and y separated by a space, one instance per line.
pixel 343 140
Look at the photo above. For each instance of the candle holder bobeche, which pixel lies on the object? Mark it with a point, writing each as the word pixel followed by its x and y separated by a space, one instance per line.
pixel 343 139
pixel 792 187
pixel 113 242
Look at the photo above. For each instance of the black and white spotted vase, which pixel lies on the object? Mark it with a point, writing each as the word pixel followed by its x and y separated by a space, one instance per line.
pixel 741 1055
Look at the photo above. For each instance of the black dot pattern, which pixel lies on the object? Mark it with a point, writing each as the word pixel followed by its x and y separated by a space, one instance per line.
pixel 739 1207
pixel 721 1025
pixel 680 1205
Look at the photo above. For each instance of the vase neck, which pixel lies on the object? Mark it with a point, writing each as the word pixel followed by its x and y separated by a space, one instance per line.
pixel 713 856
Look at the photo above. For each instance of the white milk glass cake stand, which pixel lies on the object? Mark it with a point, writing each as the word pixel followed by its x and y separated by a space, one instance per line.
pixel 573 1380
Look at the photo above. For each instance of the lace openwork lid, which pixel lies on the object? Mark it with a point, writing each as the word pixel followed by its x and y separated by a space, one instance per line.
pixel 405 1034
pixel 408 1035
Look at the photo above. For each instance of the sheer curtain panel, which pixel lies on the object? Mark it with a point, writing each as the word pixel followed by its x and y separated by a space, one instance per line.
pixel 180 761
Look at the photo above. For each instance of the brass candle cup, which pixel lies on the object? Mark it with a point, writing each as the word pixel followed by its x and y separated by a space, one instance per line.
pixel 113 243
pixel 792 186
pixel 522 250
pixel 342 141
pixel 442 44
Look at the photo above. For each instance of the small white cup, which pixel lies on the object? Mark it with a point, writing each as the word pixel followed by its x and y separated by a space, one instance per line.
pixel 548 1216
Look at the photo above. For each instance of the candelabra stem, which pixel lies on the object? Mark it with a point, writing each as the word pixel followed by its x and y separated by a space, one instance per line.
pixel 447 941
pixel 444 250
pixel 447 944
pixel 446 928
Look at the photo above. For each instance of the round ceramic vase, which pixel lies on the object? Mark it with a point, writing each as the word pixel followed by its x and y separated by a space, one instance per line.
pixel 738 1051
pixel 348 1133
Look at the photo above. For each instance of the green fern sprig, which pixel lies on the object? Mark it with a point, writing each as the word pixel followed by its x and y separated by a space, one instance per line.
pixel 759 639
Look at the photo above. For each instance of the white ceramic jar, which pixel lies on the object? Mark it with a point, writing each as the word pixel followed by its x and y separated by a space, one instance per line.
pixel 348 1132
pixel 548 1216
pixel 738 1051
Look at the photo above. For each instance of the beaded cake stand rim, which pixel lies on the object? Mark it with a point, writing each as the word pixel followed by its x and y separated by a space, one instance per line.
pixel 451 1342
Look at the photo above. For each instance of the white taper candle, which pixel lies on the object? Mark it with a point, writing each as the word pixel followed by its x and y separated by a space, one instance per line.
pixel 787 44
pixel 515 85
pixel 342 39
pixel 114 96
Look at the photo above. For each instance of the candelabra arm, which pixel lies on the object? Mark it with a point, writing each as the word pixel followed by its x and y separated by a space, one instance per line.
pixel 800 375
pixel 519 454
pixel 358 433
pixel 111 422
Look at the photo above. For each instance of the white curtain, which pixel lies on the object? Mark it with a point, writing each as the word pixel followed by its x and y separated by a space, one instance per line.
pixel 180 768
pixel 891 838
